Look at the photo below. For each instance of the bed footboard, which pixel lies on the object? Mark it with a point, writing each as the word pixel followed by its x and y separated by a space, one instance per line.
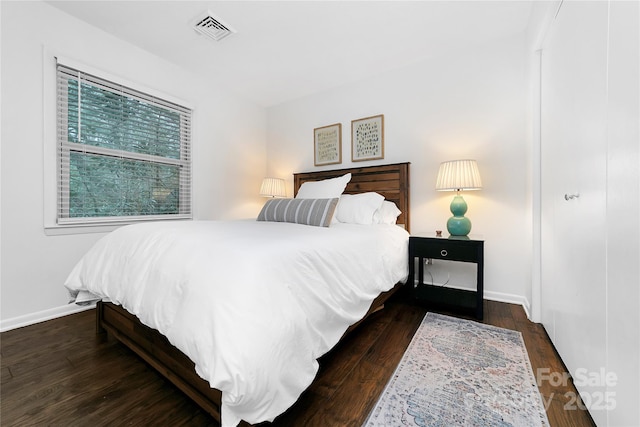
pixel 157 351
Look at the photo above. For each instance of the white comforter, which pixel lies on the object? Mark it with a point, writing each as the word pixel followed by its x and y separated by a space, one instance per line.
pixel 253 304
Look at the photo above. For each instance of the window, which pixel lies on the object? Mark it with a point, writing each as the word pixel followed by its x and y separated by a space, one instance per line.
pixel 122 155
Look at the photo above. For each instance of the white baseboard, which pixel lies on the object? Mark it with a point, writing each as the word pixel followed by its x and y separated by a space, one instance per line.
pixel 510 298
pixel 42 316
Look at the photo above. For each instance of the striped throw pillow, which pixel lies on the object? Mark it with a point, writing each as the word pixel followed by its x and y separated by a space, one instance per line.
pixel 317 212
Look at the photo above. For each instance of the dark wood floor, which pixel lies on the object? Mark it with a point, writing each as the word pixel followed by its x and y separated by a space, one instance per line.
pixel 59 373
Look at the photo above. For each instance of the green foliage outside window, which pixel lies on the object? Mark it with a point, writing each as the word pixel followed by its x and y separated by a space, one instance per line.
pixel 106 183
pixel 107 186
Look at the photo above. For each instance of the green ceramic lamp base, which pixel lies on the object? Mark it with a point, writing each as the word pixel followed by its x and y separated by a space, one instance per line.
pixel 458 224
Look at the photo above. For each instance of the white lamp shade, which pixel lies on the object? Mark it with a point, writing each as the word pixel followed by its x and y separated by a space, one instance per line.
pixel 273 187
pixel 458 175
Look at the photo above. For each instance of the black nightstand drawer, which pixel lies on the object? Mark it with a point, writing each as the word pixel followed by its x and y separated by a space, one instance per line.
pixel 444 250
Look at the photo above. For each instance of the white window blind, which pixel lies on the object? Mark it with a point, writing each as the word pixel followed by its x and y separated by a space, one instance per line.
pixel 123 155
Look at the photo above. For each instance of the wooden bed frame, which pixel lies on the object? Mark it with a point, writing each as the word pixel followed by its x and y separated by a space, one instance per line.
pixel 392 181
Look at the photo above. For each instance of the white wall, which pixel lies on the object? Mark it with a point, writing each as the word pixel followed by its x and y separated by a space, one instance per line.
pixel 467 104
pixel 229 148
pixel 542 15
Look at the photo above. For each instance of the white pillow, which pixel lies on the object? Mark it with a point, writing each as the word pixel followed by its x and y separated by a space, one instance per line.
pixel 388 213
pixel 358 208
pixel 325 189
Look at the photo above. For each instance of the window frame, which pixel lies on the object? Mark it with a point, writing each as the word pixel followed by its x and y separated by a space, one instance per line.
pixel 64 148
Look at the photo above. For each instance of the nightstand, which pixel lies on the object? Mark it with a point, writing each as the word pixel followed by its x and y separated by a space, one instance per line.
pixel 452 248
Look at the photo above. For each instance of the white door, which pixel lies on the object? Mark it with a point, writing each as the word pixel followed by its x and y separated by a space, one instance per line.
pixel 573 189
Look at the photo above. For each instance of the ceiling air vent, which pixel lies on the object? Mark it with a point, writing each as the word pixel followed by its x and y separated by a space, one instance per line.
pixel 212 27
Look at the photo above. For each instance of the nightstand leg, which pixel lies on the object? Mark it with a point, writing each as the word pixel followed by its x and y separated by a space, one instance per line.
pixel 411 279
pixel 480 280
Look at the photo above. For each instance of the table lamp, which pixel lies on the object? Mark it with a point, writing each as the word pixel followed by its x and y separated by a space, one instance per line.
pixel 458 175
pixel 273 187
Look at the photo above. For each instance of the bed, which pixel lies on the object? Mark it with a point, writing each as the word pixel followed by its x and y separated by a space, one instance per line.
pixel 390 181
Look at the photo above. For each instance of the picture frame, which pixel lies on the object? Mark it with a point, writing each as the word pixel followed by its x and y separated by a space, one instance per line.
pixel 327 145
pixel 367 138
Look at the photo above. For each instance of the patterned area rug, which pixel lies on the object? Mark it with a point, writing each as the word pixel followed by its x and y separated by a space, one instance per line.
pixel 458 372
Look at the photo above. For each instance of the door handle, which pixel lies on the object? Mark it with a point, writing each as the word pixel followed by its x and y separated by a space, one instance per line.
pixel 571 196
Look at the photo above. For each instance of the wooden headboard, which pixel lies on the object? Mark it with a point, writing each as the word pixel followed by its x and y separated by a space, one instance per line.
pixel 392 181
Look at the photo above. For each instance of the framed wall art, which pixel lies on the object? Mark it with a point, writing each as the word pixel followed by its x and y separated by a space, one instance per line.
pixel 327 144
pixel 367 138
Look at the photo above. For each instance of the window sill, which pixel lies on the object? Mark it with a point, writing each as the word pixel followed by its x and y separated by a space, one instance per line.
pixel 61 230
pixel 68 229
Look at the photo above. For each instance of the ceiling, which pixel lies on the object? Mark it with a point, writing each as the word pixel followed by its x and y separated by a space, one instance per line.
pixel 283 50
